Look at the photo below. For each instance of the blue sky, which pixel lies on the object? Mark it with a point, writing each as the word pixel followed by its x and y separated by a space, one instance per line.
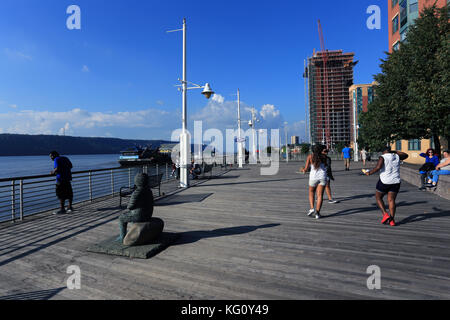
pixel 117 75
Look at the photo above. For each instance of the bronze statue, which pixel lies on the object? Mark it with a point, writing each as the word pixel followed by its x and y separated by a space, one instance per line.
pixel 140 205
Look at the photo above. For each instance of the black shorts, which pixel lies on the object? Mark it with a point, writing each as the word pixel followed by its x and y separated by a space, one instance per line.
pixel 64 190
pixel 386 188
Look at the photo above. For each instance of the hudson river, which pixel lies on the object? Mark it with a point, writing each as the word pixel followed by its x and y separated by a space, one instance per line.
pixel 21 166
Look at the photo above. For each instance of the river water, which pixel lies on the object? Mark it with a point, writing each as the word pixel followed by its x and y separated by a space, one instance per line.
pixel 21 166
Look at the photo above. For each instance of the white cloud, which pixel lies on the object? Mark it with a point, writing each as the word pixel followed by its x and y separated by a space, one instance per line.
pixel 15 54
pixel 85 69
pixel 218 98
pixel 297 129
pixel 221 114
pixel 14 106
pixel 149 123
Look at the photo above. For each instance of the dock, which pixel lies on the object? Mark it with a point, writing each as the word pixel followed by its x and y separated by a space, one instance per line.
pixel 241 236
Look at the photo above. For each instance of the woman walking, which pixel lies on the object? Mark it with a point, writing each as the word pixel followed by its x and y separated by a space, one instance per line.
pixel 363 156
pixel 317 179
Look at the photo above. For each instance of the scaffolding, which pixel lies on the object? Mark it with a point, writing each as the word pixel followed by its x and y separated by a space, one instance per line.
pixel 330 109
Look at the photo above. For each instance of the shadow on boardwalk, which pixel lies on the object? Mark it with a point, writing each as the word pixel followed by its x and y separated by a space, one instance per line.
pixel 194 236
pixel 425 216
pixel 373 208
pixel 34 295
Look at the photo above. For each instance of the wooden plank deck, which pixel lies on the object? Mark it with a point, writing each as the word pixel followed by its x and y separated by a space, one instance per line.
pixel 243 236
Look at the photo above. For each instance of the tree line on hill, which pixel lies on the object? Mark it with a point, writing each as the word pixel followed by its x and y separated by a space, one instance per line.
pixel 33 145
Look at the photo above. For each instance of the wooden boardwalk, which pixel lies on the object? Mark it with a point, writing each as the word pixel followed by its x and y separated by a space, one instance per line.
pixel 243 236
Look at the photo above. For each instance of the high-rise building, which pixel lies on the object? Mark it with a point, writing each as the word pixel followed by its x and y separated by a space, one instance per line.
pixel 360 95
pixel 330 111
pixel 402 14
pixel 295 140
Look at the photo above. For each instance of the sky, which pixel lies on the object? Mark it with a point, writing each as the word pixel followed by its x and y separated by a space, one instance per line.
pixel 116 76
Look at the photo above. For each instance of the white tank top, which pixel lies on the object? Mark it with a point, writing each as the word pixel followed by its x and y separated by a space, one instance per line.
pixel 390 173
pixel 318 174
pixel 446 167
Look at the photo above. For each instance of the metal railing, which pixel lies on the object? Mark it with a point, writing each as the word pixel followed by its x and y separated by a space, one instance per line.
pixel 29 195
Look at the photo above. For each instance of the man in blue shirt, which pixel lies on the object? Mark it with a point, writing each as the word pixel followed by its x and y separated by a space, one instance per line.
pixel 346 156
pixel 62 170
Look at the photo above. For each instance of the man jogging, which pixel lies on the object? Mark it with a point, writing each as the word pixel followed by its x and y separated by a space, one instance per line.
pixel 62 170
pixel 389 183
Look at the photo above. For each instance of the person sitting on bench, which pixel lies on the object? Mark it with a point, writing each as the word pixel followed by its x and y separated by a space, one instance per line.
pixel 195 170
pixel 140 205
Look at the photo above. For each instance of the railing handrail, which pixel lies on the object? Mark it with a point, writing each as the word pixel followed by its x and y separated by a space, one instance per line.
pixel 52 175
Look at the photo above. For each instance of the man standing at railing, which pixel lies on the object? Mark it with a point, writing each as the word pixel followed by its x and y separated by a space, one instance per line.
pixel 62 170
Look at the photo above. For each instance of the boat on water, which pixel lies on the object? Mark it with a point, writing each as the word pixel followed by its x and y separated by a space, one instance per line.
pixel 138 156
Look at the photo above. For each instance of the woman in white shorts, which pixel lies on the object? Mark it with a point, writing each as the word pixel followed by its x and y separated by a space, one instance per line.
pixel 317 179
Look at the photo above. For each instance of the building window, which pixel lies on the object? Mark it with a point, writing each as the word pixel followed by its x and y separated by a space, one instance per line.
pixel 413 6
pixel 396 46
pixel 414 145
pixel 394 2
pixel 398 145
pixel 395 24
pixel 403 13
pixel 359 100
pixel 403 35
pixel 370 94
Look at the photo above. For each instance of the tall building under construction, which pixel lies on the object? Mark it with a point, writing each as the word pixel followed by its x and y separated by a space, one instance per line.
pixel 330 75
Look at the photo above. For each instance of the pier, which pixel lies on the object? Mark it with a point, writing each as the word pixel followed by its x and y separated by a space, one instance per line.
pixel 241 236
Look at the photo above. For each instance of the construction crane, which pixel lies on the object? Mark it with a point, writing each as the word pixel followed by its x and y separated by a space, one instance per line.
pixel 325 111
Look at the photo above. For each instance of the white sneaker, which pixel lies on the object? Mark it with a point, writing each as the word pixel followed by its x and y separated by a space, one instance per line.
pixel 311 212
pixel 318 216
pixel 332 201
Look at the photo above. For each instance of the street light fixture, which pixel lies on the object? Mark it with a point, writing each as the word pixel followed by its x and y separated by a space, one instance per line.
pixel 185 147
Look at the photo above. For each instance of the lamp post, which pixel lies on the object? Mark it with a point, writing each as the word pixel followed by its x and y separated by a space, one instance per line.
pixel 239 144
pixel 252 124
pixel 185 148
pixel 355 133
pixel 287 146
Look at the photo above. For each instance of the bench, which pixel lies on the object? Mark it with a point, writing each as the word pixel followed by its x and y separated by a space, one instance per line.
pixel 154 181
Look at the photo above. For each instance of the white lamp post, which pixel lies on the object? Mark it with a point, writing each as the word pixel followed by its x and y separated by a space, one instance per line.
pixel 287 146
pixel 252 124
pixel 239 144
pixel 185 148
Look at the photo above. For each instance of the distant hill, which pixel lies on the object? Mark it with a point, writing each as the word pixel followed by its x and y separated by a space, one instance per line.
pixel 33 145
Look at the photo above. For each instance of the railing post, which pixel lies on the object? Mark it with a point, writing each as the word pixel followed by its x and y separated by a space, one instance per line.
pixel 90 186
pixel 21 200
pixel 129 178
pixel 167 171
pixel 112 183
pixel 157 169
pixel 13 200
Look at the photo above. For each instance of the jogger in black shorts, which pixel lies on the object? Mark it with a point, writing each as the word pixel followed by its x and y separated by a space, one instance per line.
pixel 389 183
